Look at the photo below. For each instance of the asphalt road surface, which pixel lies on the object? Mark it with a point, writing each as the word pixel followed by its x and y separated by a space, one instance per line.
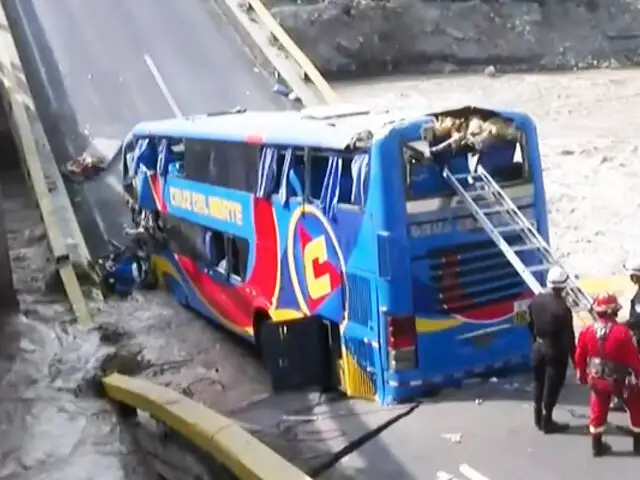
pixel 97 67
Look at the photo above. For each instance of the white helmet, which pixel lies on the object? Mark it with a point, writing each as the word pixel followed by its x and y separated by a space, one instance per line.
pixel 557 278
pixel 632 266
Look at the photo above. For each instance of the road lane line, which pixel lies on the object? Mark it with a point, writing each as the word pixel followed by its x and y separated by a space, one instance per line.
pixel 471 473
pixel 162 85
pixel 441 475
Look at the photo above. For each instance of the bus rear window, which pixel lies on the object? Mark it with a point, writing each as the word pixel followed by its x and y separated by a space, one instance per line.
pixel 505 161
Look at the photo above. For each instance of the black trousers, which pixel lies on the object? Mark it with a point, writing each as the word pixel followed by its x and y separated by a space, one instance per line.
pixel 549 375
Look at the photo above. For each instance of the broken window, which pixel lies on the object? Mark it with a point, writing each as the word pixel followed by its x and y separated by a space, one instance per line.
pixel 212 249
pixel 459 143
pixel 320 166
pixel 185 238
pixel 323 176
pixel 215 248
pixel 239 256
pixel 225 164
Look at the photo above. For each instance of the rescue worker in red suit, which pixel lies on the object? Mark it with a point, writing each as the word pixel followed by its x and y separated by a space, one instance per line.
pixel 607 360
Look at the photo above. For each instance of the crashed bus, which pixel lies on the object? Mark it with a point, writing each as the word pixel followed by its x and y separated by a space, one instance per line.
pixel 340 239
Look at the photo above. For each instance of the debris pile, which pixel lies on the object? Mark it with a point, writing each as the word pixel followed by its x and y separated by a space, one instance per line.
pixel 85 167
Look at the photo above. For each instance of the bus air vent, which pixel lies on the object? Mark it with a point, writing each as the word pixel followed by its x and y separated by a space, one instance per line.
pixel 472 275
pixel 359 299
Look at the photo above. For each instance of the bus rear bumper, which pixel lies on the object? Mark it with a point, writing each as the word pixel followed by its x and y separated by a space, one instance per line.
pixel 414 385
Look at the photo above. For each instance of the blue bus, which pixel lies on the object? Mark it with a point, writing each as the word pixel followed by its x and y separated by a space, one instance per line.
pixel 330 240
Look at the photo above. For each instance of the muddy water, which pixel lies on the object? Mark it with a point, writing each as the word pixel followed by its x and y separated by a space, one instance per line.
pixel 52 425
pixel 46 432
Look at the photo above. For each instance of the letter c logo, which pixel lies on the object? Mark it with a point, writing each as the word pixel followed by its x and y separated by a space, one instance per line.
pixel 316 251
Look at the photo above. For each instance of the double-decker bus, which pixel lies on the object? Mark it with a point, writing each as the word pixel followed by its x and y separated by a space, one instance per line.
pixel 329 239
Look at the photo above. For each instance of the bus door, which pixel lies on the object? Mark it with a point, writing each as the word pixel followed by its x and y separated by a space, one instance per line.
pixel 332 221
pixel 296 353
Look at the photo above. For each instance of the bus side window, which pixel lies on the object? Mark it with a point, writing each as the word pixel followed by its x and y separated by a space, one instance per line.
pixel 319 168
pixel 270 167
pixel 197 158
pixel 280 160
pixel 185 238
pixel 296 173
pixel 239 255
pixel 225 164
pixel 215 249
pixel 170 157
pixel 346 180
pixel 176 166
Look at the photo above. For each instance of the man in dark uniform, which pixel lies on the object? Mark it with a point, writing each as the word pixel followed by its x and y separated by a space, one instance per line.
pixel 633 322
pixel 551 326
pixel 633 268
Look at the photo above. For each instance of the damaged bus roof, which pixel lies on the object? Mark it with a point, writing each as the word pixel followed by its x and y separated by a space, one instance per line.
pixel 328 126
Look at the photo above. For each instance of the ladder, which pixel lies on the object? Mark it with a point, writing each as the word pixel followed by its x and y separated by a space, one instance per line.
pixel 488 203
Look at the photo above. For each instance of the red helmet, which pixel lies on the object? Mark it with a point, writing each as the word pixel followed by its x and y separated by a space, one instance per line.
pixel 606 303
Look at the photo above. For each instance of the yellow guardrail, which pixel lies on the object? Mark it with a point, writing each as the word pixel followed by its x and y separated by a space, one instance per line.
pixel 240 452
pixel 293 51
pixel 17 101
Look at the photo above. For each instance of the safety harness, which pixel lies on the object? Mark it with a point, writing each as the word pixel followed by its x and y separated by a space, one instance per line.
pixel 598 366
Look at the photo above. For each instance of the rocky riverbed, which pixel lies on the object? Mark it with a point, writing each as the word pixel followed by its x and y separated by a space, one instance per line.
pixel 357 38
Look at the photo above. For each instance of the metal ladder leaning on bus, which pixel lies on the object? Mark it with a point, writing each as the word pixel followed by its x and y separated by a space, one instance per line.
pixel 386 253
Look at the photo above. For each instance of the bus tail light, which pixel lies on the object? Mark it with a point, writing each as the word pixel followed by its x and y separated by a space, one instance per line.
pixel 402 343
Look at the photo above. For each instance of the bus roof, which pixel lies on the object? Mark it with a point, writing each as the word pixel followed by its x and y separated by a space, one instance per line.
pixel 332 126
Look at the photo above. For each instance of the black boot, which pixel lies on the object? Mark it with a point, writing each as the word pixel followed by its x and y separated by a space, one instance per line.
pixel 598 446
pixel 537 417
pixel 636 443
pixel 550 426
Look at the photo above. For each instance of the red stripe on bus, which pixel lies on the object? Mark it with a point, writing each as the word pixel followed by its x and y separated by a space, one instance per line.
pixel 254 139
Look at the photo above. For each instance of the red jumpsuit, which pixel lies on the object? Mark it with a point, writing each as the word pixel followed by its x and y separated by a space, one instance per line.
pixel 606 354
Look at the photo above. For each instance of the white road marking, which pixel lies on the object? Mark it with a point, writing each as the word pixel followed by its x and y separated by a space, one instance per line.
pixel 162 85
pixel 440 475
pixel 471 473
